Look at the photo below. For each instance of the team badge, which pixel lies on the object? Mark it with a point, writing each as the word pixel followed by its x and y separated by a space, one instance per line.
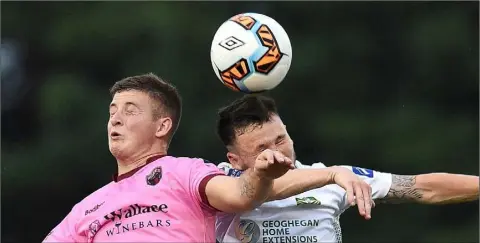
pixel 154 177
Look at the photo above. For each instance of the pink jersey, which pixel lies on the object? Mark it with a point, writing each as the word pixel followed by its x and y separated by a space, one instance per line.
pixel 163 201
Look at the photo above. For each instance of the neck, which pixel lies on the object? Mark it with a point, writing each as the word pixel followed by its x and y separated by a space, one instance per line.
pixel 126 166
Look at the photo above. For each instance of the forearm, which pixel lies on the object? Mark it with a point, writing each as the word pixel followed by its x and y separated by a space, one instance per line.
pixel 252 189
pixel 444 188
pixel 300 180
pixel 433 188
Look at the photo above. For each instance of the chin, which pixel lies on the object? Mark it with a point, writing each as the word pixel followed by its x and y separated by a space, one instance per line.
pixel 116 151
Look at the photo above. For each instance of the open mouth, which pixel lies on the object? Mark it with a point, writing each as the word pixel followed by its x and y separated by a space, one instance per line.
pixel 114 134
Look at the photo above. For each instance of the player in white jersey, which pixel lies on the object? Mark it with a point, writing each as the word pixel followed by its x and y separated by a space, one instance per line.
pixel 251 124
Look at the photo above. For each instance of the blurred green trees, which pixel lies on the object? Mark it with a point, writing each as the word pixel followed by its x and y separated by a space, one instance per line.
pixel 390 86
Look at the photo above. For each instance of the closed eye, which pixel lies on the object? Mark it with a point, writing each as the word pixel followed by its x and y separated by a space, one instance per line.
pixel 280 139
pixel 131 108
pixel 261 147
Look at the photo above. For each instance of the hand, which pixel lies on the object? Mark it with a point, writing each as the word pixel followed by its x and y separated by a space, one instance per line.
pixel 272 164
pixel 358 191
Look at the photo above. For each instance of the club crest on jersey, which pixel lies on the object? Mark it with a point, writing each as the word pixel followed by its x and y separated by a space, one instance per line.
pixel 154 177
pixel 247 231
pixel 307 201
pixel 363 172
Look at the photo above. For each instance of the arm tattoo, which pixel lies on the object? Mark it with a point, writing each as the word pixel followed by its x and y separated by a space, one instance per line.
pixel 246 188
pixel 403 189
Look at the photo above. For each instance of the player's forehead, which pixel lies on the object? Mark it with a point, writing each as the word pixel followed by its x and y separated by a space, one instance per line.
pixel 267 132
pixel 135 97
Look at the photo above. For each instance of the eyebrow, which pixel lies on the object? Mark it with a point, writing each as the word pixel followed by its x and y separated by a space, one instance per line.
pixel 127 103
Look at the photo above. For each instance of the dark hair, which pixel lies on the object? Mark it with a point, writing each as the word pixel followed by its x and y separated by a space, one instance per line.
pixel 252 109
pixel 164 93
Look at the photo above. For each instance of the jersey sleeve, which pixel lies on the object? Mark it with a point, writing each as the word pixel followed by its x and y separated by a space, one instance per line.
pixel 317 165
pixel 64 231
pixel 201 172
pixel 223 220
pixel 379 181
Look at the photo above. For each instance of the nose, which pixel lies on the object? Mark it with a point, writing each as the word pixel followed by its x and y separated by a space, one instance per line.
pixel 273 147
pixel 115 119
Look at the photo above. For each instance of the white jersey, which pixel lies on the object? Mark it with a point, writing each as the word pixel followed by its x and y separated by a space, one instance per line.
pixel 312 216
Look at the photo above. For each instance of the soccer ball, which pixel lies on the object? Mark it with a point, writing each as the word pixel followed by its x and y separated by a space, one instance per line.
pixel 251 53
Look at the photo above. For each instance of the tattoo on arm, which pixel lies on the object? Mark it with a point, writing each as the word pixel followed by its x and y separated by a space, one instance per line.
pixel 246 188
pixel 403 190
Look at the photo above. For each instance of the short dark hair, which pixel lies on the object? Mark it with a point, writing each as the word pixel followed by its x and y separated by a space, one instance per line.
pixel 251 109
pixel 164 93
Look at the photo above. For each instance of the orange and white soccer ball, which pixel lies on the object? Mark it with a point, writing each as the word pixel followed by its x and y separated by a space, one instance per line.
pixel 251 53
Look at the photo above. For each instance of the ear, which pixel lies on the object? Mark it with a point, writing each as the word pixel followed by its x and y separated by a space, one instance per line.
pixel 164 125
pixel 234 160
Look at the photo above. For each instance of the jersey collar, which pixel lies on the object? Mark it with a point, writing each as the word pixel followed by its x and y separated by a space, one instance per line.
pixel 117 178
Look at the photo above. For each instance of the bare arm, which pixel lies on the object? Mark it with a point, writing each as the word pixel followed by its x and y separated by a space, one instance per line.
pixel 234 195
pixel 300 180
pixel 433 188
pixel 251 189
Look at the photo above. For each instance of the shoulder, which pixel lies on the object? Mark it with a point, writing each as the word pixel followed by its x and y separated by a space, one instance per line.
pixel 183 164
pixel 228 169
pixel 188 161
pixel 193 167
pixel 224 166
pixel 172 160
pixel 101 192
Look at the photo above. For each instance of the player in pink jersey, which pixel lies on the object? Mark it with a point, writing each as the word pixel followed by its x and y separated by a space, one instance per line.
pixel 159 198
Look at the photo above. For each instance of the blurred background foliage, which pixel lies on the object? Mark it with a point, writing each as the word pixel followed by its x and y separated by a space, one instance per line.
pixel 391 86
